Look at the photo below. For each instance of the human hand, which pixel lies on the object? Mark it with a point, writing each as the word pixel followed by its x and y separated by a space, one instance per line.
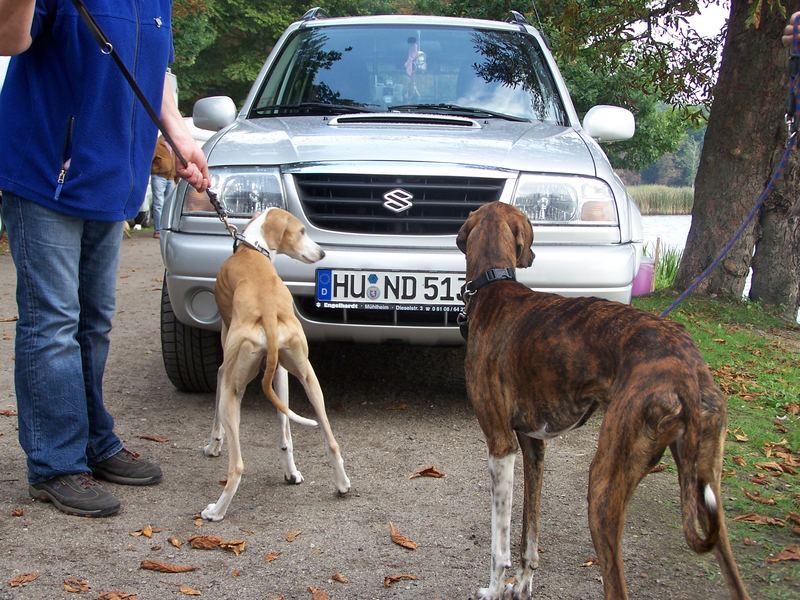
pixel 788 31
pixel 196 172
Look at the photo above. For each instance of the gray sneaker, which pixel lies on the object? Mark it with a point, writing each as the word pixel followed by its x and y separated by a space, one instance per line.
pixel 77 494
pixel 127 468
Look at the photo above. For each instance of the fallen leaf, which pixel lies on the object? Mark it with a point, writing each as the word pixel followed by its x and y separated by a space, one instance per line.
pixel 741 437
pixel 400 539
pixel 793 516
pixel 146 531
pixel 235 546
pixel 8 319
pixel 175 541
pixel 590 562
pixel 390 580
pixel 757 497
pixel 73 585
pixel 750 542
pixel 154 438
pixel 162 567
pixel 658 468
pixel 789 553
pixel 721 340
pixel 317 594
pixel 204 542
pixel 793 408
pixel 292 535
pixel 760 519
pixel 340 578
pixel 7 412
pixel 117 596
pixel 739 461
pixel 236 573
pixel 427 472
pixel 270 556
pixel 23 578
pixel 769 466
pixel 198 521
pixel 189 591
pixel 759 479
pixel 17 512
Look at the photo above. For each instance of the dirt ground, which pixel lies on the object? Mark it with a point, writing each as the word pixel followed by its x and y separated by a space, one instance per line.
pixel 393 409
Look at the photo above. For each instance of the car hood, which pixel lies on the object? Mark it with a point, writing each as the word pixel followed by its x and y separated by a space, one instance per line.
pixel 492 143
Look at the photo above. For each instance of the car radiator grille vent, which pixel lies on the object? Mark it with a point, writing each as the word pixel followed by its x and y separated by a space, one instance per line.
pixel 354 203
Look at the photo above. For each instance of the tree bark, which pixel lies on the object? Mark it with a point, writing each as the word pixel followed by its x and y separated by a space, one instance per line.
pixel 776 262
pixel 745 136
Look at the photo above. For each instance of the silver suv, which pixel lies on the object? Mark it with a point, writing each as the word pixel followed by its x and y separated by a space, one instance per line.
pixel 381 134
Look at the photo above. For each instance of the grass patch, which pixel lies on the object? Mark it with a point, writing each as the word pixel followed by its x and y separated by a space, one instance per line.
pixel 754 355
pixel 662 199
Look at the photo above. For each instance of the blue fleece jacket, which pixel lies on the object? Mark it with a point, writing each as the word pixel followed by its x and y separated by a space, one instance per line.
pixel 73 136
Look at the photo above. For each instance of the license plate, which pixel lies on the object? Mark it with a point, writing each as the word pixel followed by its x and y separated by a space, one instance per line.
pixel 386 290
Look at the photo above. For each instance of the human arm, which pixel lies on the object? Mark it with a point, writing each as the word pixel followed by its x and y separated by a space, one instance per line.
pixel 196 173
pixel 788 31
pixel 16 17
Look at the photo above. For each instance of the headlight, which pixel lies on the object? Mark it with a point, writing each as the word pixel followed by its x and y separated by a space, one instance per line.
pixel 565 200
pixel 242 191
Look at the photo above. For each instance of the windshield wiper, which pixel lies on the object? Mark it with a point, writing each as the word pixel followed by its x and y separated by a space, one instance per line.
pixel 455 109
pixel 310 108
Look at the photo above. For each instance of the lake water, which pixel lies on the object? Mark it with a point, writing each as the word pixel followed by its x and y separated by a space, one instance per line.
pixel 673 230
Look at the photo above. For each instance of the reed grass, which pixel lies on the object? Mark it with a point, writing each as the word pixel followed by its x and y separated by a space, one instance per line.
pixel 662 199
pixel 669 259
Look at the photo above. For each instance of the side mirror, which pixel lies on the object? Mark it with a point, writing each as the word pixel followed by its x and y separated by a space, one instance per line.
pixel 609 123
pixel 214 113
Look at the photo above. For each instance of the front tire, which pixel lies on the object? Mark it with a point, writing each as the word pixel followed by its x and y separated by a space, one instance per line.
pixel 191 355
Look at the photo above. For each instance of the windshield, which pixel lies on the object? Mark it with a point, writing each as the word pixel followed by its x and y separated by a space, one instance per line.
pixel 453 70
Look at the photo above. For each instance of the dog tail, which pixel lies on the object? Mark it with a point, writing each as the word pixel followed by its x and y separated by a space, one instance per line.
pixel 271 363
pixel 699 503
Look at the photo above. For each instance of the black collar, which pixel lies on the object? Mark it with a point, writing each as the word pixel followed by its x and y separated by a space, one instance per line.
pixel 470 288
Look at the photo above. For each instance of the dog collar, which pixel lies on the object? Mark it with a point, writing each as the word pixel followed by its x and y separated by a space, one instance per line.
pixel 470 288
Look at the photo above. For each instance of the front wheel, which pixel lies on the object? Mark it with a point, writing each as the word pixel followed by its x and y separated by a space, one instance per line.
pixel 191 355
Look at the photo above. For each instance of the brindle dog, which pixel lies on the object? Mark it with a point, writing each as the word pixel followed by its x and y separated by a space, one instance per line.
pixel 539 364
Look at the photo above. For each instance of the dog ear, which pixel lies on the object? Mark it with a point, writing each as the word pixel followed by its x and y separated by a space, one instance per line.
pixel 463 233
pixel 278 221
pixel 524 241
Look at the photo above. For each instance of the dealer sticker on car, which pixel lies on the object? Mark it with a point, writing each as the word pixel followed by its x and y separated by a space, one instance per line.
pixel 388 290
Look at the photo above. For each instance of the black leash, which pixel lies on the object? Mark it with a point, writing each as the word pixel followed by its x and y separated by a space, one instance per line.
pixel 106 47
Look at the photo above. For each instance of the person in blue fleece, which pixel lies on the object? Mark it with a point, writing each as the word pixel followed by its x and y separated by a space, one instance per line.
pixel 74 162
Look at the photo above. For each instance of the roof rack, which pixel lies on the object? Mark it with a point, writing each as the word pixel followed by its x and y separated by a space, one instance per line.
pixel 315 13
pixel 518 18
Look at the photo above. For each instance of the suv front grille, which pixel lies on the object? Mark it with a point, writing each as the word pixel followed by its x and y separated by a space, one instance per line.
pixel 354 203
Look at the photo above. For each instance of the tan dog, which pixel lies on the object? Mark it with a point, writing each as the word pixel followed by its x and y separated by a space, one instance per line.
pixel 260 329
pixel 538 365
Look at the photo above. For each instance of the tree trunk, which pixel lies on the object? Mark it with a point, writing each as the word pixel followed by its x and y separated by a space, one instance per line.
pixel 745 128
pixel 776 262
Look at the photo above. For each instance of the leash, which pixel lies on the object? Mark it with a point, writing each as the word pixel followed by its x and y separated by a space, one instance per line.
pixel 107 48
pixel 792 119
pixel 470 288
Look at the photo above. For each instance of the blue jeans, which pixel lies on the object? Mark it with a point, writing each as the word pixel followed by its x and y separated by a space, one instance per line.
pixel 66 280
pixel 161 187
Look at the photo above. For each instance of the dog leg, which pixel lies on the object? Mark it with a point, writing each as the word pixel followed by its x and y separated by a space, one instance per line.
pixel 215 439
pixel 501 470
pixel 290 473
pixel 314 393
pixel 533 469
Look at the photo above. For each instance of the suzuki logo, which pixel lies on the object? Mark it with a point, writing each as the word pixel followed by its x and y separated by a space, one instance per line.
pixel 398 200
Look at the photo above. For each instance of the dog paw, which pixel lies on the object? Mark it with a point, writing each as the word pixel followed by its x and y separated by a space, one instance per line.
pixel 295 478
pixel 342 487
pixel 212 449
pixel 210 513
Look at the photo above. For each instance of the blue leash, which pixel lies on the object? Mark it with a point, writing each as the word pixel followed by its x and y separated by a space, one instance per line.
pixel 792 118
